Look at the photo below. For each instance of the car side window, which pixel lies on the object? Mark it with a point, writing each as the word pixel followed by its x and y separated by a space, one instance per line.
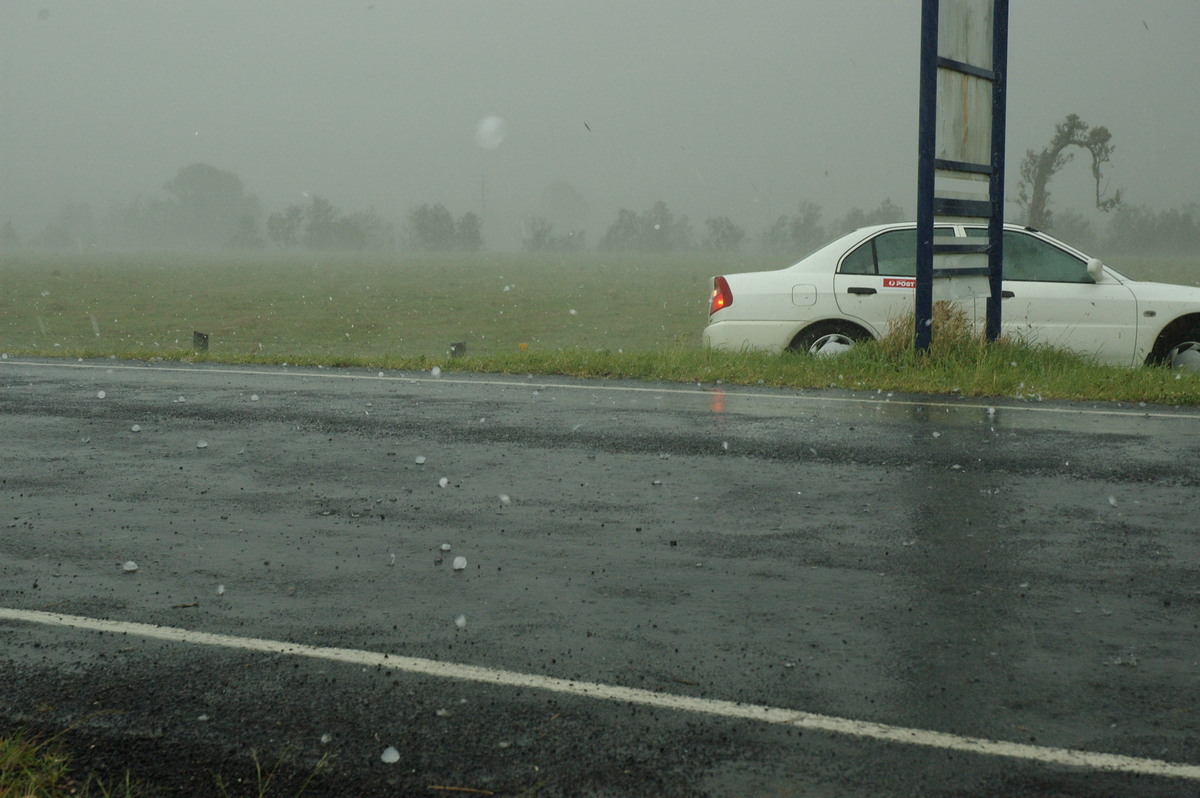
pixel 1031 259
pixel 893 253
pixel 896 253
pixel 861 260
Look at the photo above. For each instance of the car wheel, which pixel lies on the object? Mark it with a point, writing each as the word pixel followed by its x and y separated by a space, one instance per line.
pixel 1178 348
pixel 1184 355
pixel 828 339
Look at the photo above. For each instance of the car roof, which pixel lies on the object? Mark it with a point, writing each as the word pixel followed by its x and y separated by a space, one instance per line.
pixel 959 222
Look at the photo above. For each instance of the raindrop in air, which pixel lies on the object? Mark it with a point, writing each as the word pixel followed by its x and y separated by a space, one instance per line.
pixel 490 132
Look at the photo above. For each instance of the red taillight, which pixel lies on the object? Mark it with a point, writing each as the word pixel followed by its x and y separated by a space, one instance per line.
pixel 722 297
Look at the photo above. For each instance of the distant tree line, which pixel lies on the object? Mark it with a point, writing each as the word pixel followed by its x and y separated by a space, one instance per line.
pixel 1134 229
pixel 205 207
pixel 208 208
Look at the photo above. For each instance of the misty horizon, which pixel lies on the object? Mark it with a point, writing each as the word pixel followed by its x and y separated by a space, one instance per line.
pixel 742 111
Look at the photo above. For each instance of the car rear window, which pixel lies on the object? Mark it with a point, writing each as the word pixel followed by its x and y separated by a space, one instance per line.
pixel 892 253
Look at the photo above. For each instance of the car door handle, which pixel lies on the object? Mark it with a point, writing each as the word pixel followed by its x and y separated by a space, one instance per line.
pixel 1007 295
pixel 859 289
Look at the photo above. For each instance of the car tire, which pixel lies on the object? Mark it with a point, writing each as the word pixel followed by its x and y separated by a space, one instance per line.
pixel 828 338
pixel 1180 349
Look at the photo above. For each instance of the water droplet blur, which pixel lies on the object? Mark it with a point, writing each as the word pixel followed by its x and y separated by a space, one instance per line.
pixel 489 133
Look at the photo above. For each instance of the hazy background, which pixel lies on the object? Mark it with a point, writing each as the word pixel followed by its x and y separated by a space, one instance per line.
pixel 730 109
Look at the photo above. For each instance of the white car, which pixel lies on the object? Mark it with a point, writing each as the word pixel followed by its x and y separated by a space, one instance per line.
pixel 849 290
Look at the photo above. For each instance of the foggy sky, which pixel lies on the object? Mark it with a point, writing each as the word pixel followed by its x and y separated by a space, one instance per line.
pixel 741 108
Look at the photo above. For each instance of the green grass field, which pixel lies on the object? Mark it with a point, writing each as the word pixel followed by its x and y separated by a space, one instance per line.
pixel 586 314
pixel 336 306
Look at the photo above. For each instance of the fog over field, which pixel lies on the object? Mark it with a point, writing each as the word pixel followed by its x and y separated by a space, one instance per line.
pixel 567 111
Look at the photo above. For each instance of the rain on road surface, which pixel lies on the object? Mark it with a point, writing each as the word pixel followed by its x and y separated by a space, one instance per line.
pixel 664 589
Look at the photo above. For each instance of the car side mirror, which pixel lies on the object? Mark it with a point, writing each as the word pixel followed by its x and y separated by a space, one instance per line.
pixel 1095 269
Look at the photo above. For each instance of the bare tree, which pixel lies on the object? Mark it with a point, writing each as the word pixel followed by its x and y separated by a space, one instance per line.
pixel 1039 167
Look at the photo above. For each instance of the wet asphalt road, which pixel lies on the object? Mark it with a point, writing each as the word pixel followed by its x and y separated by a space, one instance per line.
pixel 1026 572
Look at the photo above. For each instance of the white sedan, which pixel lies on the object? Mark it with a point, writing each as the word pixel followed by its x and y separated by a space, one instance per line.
pixel 850 289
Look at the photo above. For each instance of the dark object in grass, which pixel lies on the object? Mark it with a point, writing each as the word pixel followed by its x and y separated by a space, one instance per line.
pixel 458 349
pixel 199 341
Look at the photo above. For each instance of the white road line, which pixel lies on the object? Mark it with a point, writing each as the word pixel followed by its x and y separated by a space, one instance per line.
pixel 630 695
pixel 733 390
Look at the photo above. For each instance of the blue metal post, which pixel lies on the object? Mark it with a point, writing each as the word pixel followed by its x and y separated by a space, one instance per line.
pixel 996 185
pixel 926 151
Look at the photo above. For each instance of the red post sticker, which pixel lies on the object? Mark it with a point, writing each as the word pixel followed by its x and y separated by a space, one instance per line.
pixel 899 282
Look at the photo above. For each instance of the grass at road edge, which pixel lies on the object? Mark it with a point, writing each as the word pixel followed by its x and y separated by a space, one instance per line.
pixel 966 368
pixel 33 767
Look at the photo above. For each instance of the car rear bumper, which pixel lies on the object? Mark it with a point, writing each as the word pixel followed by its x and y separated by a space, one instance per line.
pixel 736 336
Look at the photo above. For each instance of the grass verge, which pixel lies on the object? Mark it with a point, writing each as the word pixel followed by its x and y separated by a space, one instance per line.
pixel 31 767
